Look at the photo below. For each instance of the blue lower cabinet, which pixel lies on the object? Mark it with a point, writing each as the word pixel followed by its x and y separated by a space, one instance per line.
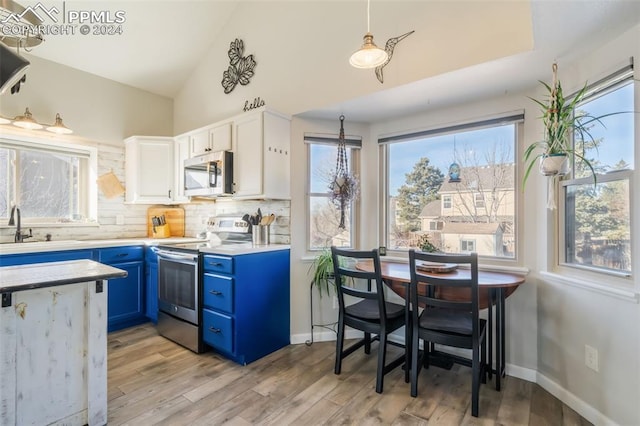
pixel 151 286
pixel 246 304
pixel 217 330
pixel 54 256
pixel 126 297
pixel 126 301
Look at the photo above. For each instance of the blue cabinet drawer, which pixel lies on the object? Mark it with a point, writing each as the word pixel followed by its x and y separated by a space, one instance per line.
pixel 120 254
pixel 217 292
pixel 221 264
pixel 217 330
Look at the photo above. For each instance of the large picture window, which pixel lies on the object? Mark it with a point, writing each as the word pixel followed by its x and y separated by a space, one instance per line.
pixel 48 183
pixel 475 205
pixel 323 215
pixel 597 218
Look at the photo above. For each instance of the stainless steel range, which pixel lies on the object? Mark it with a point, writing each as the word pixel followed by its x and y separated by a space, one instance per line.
pixel 180 281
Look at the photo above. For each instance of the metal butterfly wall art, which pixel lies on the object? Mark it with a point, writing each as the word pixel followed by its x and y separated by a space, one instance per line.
pixel 240 67
pixel 389 47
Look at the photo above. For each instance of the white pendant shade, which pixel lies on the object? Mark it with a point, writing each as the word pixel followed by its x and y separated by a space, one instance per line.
pixel 369 55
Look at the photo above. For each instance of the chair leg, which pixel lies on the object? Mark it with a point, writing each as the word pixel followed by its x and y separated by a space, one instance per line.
pixel 407 352
pixel 475 381
pixel 367 343
pixel 415 342
pixel 382 352
pixel 483 361
pixel 339 345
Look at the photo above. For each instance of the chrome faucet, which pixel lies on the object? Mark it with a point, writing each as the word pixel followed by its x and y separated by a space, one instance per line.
pixel 19 236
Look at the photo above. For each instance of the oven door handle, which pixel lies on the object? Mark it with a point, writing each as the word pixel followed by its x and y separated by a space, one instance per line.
pixel 176 256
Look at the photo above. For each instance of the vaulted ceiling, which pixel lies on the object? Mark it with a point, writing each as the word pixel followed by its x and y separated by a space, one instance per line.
pixel 164 41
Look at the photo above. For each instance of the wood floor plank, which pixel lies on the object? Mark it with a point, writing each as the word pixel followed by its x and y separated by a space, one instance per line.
pixel 152 381
pixel 545 409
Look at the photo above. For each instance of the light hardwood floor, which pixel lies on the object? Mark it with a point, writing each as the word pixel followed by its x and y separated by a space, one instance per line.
pixel 154 381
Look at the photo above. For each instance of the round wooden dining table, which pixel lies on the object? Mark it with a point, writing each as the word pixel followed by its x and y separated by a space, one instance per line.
pixel 494 288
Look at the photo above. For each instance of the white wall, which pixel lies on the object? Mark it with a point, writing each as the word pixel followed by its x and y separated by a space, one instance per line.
pixel 95 108
pixel 570 317
pixel 294 77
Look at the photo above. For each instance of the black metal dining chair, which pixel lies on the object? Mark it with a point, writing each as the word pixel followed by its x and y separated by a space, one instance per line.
pixel 370 312
pixel 453 323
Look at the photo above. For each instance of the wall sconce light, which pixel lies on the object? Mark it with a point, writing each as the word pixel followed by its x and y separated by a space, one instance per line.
pixel 59 127
pixel 26 121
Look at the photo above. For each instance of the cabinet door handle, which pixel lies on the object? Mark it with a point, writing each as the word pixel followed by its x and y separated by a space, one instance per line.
pixel 123 254
pixel 214 330
pixel 169 193
pixel 217 264
pixel 215 292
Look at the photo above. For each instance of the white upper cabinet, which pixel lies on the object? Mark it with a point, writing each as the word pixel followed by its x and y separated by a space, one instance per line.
pixel 211 138
pixel 150 170
pixel 261 162
pixel 181 153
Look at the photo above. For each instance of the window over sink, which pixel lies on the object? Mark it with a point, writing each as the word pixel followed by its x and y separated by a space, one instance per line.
pixel 50 181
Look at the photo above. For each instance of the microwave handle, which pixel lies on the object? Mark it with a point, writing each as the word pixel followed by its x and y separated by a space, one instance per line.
pixel 213 169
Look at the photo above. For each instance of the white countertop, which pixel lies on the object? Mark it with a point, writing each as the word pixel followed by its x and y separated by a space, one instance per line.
pixel 47 246
pixel 248 248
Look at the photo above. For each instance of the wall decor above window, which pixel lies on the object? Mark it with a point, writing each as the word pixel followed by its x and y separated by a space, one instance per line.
pixel 389 47
pixel 240 67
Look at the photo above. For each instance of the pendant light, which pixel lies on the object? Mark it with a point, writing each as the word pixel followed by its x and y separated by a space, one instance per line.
pixel 26 121
pixel 59 127
pixel 369 55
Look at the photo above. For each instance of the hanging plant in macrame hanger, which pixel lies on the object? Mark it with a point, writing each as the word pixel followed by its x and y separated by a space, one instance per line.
pixel 344 185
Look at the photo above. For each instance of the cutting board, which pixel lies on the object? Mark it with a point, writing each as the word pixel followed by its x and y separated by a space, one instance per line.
pixel 174 217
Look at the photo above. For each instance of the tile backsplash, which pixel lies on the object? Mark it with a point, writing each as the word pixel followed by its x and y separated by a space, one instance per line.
pixel 111 158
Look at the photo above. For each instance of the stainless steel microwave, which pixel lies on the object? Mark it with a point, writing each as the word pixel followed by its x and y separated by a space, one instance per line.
pixel 209 175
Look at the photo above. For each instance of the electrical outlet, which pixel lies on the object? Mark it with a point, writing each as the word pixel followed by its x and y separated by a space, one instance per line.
pixel 335 302
pixel 591 357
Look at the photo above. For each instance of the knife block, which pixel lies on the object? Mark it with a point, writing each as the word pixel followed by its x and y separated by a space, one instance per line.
pixel 162 231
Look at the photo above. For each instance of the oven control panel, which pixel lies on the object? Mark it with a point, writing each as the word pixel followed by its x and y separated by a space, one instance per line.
pixel 234 224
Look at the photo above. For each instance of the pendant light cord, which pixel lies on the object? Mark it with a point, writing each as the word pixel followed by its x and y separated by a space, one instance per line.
pixel 368 14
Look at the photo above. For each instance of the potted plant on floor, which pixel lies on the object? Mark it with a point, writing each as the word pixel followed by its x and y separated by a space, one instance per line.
pixel 322 272
pixel 561 120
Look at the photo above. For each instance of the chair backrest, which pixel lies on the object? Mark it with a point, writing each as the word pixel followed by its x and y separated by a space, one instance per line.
pixel 424 285
pixel 345 273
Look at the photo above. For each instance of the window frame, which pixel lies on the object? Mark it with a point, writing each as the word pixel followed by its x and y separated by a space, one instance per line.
pixel 616 279
pixel 515 117
pixel 88 198
pixel 354 146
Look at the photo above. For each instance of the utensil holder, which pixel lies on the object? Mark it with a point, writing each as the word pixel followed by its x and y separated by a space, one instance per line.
pixel 161 231
pixel 260 235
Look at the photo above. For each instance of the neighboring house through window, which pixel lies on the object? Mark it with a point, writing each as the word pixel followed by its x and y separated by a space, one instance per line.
pixel 476 212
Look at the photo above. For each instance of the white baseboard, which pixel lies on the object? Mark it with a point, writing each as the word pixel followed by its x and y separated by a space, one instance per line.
pixel 577 404
pixel 522 373
pixel 323 336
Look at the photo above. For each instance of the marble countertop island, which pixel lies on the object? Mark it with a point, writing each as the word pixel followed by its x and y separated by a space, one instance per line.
pixel 39 275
